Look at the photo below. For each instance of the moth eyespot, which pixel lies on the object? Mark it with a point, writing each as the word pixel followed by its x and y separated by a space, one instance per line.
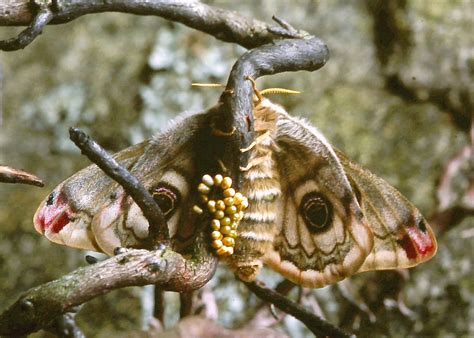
pixel 316 211
pixel 167 198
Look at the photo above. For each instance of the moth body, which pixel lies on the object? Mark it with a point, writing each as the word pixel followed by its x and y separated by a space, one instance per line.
pixel 261 184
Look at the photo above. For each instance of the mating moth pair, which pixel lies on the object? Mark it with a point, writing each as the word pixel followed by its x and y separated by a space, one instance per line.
pixel 313 215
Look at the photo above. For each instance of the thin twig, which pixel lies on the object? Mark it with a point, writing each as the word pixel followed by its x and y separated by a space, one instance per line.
pixel 186 304
pixel 12 175
pixel 159 308
pixel 27 36
pixel 315 324
pixel 158 229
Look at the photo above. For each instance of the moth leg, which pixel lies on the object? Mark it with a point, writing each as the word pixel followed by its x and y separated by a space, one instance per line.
pixel 220 133
pixel 255 162
pixel 223 167
pixel 258 140
pixel 255 89
pixel 250 147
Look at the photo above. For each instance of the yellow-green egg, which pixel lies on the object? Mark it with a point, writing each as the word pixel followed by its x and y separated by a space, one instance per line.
pixel 238 197
pixel 218 179
pixel 216 235
pixel 226 183
pixel 211 205
pixel 231 210
pixel 215 224
pixel 225 251
pixel 207 180
pixel 229 241
pixel 219 214
pixel 226 230
pixel 220 205
pixel 216 244
pixel 197 210
pixel 229 192
pixel 229 201
pixel 203 189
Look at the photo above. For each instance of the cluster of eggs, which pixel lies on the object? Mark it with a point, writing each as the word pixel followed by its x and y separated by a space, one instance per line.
pixel 227 211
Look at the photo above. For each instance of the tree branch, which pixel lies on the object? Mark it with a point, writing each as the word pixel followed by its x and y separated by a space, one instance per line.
pixel 224 25
pixel 12 175
pixel 39 306
pixel 34 29
pixel 315 324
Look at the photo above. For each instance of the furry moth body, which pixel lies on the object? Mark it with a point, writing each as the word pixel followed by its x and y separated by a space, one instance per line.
pixel 313 215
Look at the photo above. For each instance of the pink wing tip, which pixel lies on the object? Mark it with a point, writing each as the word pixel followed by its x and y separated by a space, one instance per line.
pixel 52 215
pixel 418 243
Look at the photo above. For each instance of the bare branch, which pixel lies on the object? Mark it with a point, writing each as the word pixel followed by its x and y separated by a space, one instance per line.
pixel 39 306
pixel 12 175
pixel 158 229
pixel 315 324
pixel 186 304
pixel 29 34
pixel 224 25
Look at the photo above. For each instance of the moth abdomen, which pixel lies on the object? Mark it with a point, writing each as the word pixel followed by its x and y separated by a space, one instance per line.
pixel 258 229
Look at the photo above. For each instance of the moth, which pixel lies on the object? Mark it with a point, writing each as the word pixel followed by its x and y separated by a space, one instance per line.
pixel 313 215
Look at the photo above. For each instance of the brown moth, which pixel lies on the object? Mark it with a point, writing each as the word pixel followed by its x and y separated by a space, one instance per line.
pixel 313 216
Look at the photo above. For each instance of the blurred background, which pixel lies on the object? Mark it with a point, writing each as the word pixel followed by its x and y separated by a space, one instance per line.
pixel 396 96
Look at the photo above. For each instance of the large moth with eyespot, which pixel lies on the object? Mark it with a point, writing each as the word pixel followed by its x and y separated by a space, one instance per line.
pixel 313 215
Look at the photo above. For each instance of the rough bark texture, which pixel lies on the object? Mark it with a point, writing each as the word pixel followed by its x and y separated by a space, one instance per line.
pixel 36 308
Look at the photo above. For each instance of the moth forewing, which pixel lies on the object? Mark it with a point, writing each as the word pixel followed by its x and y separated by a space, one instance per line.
pixel 402 237
pixel 91 211
pixel 66 215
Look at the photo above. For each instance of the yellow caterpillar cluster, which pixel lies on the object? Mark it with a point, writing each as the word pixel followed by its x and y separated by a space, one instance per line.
pixel 227 210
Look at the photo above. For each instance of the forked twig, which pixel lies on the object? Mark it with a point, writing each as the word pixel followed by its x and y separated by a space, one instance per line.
pixel 44 16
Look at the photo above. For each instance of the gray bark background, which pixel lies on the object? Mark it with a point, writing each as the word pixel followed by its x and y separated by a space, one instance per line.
pixel 122 77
